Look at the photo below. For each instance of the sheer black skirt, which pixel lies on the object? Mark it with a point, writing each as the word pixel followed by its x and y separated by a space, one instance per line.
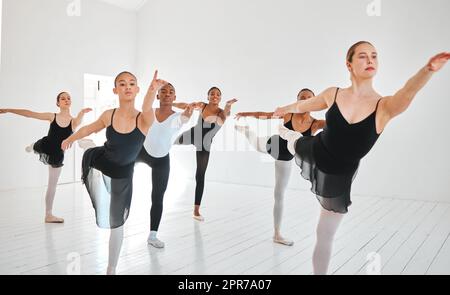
pixel 110 188
pixel 331 179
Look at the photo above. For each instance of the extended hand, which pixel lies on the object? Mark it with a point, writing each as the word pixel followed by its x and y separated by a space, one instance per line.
pixel 437 62
pixel 157 83
pixel 197 105
pixel 66 144
pixel 230 102
pixel 239 115
pixel 189 110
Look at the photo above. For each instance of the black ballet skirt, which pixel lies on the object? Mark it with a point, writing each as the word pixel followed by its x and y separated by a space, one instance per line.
pixel 201 135
pixel 277 146
pixel 331 159
pixel 49 148
pixel 107 173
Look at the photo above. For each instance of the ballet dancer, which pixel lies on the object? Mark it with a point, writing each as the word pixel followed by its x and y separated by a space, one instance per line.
pixel 49 147
pixel 356 117
pixel 107 171
pixel 201 136
pixel 277 148
pixel 155 153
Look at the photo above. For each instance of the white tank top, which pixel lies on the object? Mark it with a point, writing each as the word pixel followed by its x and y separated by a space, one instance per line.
pixel 161 136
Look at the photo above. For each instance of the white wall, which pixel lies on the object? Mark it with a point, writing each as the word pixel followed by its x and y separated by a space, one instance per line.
pixel 1 15
pixel 260 51
pixel 264 51
pixel 44 52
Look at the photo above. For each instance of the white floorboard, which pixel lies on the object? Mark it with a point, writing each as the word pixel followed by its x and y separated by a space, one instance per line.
pixel 411 237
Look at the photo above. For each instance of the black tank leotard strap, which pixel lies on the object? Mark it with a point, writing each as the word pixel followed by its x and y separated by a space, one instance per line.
pixel 114 112
pixel 309 131
pixel 112 116
pixel 137 118
pixel 335 96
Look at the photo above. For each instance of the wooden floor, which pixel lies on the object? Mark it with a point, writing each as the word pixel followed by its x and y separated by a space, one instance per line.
pixel 409 237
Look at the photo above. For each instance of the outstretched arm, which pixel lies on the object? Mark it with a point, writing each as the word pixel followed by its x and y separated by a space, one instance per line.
pixel 29 114
pixel 257 115
pixel 77 121
pixel 87 130
pixel 399 102
pixel 180 105
pixel 317 103
pixel 194 105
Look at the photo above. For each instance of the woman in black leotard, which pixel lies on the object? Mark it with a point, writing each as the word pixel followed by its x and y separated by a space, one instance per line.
pixel 356 117
pixel 49 147
pixel 277 148
pixel 108 170
pixel 201 135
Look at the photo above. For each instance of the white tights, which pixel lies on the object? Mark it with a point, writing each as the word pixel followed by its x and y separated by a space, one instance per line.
pixel 328 222
pixel 326 229
pixel 53 177
pixel 115 245
pixel 282 174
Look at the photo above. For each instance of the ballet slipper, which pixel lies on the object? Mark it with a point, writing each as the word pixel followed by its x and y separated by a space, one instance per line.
pixel 198 218
pixel 156 243
pixel 29 148
pixel 53 219
pixel 283 241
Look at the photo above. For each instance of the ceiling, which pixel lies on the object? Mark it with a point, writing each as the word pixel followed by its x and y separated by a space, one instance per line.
pixel 132 5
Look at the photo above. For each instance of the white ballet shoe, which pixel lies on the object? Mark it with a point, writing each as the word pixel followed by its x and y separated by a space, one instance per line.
pixel 86 144
pixel 29 148
pixel 53 219
pixel 156 243
pixel 198 217
pixel 283 241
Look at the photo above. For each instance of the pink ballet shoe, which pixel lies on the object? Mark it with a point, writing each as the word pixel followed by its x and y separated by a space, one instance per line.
pixel 53 219
pixel 198 217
